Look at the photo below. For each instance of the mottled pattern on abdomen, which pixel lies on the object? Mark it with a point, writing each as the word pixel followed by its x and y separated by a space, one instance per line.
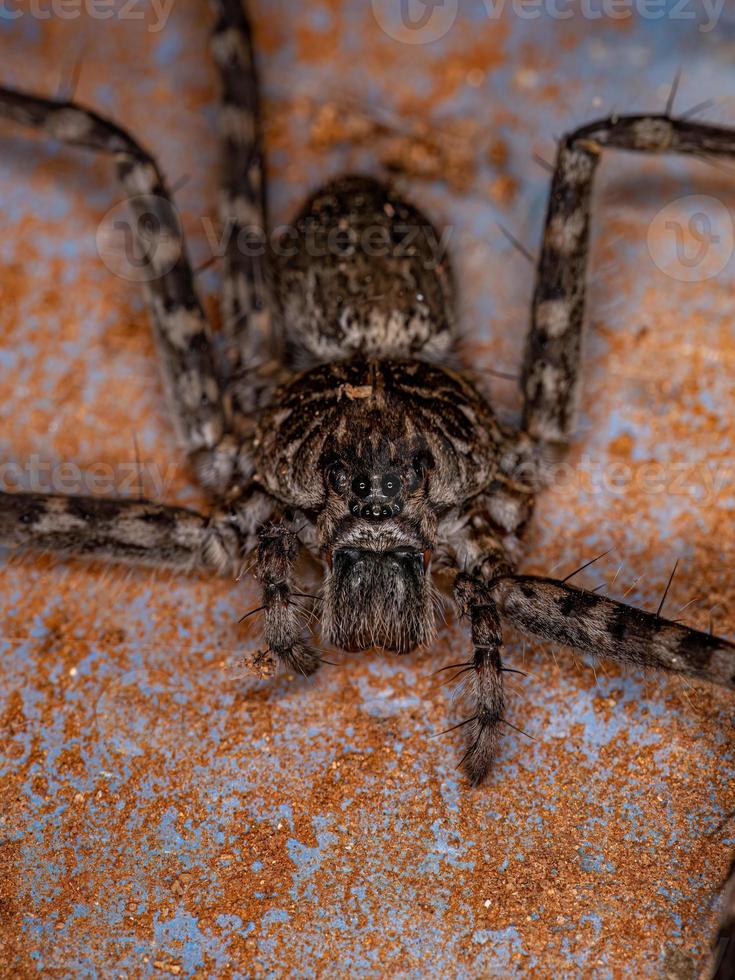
pixel 363 272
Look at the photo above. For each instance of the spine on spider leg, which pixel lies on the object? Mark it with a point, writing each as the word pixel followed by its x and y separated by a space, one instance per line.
pixel 485 672
pixel 550 369
pixel 724 945
pixel 246 297
pixel 133 532
pixel 602 627
pixel 156 255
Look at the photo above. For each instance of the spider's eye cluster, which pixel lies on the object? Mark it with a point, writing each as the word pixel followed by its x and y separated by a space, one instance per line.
pixel 375 496
pixel 375 511
pixel 389 487
pixel 361 487
pixel 379 493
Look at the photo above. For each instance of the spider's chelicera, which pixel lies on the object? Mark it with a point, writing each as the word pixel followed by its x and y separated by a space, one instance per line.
pixel 336 415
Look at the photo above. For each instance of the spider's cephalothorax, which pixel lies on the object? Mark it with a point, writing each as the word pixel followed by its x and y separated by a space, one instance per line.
pixel 370 439
pixel 370 444
pixel 377 460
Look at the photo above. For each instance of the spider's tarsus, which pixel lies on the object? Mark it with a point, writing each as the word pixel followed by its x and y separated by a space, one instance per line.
pixel 476 778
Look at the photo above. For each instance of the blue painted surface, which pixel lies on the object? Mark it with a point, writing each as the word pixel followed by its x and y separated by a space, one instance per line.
pixel 324 833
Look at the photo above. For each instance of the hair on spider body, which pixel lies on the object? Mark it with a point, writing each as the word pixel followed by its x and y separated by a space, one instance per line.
pixel 370 427
pixel 361 416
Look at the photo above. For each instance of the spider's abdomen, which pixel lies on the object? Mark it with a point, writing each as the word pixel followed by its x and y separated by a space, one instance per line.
pixel 363 272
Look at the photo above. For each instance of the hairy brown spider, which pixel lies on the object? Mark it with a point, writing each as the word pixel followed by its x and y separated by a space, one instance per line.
pixel 337 415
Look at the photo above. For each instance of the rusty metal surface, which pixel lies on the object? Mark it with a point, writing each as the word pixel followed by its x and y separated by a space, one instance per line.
pixel 161 812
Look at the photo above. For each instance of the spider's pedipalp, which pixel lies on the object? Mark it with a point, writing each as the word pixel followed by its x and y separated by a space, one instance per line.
pixel 485 687
pixel 484 684
pixel 278 550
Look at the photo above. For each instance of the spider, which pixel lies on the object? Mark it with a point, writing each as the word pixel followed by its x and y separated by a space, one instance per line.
pixel 335 416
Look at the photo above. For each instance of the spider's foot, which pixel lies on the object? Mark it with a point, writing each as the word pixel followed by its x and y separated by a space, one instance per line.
pixel 480 755
pixel 301 658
